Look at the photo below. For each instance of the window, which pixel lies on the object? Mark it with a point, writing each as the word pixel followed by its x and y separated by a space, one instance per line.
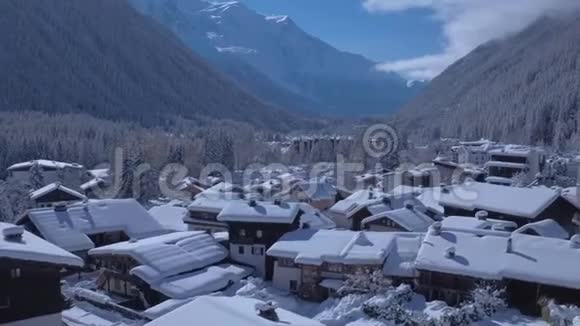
pixel 15 273
pixel 241 250
pixel 286 262
pixel 242 232
pixel 293 285
pixel 259 234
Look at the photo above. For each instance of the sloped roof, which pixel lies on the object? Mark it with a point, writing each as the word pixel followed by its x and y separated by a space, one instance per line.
pixel 54 187
pixel 261 212
pixel 33 248
pixel 525 202
pixel 45 163
pixel 168 255
pixel 68 229
pixel 546 228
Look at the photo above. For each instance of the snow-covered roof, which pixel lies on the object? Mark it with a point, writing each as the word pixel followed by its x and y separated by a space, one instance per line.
pixel 315 218
pixel 357 201
pixel 530 259
pixel 44 163
pixel 32 248
pixel 503 164
pixel 209 205
pixel 221 311
pixel 499 180
pixel 54 187
pixel 170 216
pixel 430 198
pixel 314 247
pixel 69 229
pixel 259 212
pixel 92 183
pixel 222 190
pixel 99 173
pixel 204 281
pixel 572 195
pixel 409 218
pixel 545 228
pixel 472 223
pixel 513 150
pixel 167 255
pixel 524 202
pixel 401 259
pixel 330 283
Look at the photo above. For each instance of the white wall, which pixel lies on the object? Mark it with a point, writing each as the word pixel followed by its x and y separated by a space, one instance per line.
pixel 48 320
pixel 257 261
pixel 283 276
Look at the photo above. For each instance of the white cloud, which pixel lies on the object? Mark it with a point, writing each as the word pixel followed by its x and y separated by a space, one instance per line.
pixel 466 24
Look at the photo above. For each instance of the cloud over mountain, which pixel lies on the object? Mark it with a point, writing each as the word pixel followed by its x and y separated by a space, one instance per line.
pixel 467 24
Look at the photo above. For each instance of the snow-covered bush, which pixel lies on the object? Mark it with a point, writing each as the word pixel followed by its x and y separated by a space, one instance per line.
pixel 343 310
pixel 390 307
pixel 563 315
pixel 365 282
pixel 485 300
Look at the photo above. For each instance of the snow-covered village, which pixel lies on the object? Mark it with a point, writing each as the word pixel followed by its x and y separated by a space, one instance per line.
pixel 486 233
pixel 289 162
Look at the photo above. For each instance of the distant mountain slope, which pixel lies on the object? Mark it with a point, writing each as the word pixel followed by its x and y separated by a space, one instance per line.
pixel 276 60
pixel 524 88
pixel 104 58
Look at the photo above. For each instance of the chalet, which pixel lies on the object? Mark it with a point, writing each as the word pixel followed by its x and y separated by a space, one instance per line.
pixel 519 205
pixel 177 265
pixel 222 190
pixel 203 212
pixel 314 263
pixel 30 275
pixel 474 152
pixel 410 218
pixel 254 227
pixel 81 227
pixel 39 173
pixel 319 194
pixel 54 194
pixel 452 263
pixel 349 213
pixel 451 172
pixel 238 311
pixel 511 160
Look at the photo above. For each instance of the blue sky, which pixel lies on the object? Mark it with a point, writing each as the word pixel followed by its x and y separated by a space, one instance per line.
pixel 346 25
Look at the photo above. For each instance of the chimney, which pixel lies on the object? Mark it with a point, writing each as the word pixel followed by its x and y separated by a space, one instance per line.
pixel 450 252
pixel 575 241
pixel 278 202
pixel 13 233
pixel 409 204
pixel 481 215
pixel 252 203
pixel 371 195
pixel 509 248
pixel 267 310
pixel 436 228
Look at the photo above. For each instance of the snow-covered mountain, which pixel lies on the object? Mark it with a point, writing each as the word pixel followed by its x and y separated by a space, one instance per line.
pixel 277 61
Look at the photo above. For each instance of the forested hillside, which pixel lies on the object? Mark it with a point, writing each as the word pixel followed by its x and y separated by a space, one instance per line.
pixel 524 88
pixel 103 58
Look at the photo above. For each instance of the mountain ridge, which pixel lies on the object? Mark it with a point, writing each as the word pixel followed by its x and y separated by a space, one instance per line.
pixel 326 80
pixel 524 88
pixel 104 58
